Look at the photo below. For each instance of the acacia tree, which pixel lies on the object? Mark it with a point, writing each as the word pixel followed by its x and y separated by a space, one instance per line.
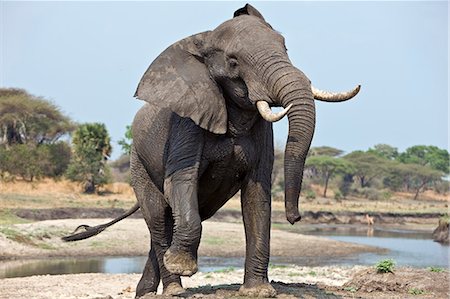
pixel 27 119
pixel 367 166
pixel 385 151
pixel 432 156
pixel 324 151
pixel 328 167
pixel 418 176
pixel 30 129
pixel 91 149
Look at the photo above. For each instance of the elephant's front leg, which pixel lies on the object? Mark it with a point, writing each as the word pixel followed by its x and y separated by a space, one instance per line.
pixel 256 209
pixel 180 190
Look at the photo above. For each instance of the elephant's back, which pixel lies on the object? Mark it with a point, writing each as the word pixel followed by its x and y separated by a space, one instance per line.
pixel 150 138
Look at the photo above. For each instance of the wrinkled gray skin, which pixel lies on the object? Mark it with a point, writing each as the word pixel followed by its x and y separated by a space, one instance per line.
pixel 200 139
pixel 186 165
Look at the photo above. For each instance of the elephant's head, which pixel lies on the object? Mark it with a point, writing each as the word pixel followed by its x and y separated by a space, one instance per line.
pixel 246 61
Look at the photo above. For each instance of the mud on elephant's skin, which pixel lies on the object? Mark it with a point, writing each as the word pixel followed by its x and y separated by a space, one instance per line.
pixel 206 133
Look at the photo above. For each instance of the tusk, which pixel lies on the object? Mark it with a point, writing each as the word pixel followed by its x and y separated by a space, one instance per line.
pixel 327 96
pixel 267 114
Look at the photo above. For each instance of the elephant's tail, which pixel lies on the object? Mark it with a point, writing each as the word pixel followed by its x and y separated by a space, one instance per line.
pixel 92 231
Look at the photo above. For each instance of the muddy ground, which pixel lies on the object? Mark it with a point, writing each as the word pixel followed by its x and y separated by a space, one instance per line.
pixel 291 282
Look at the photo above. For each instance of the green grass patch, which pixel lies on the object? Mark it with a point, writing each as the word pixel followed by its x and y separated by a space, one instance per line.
pixel 8 217
pixel 351 289
pixel 293 274
pixel 312 273
pixel 416 291
pixel 16 236
pixel 214 241
pixel 385 266
pixel 277 266
pixel 436 269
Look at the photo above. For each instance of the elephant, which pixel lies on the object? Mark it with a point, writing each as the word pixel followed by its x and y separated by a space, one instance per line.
pixel 205 133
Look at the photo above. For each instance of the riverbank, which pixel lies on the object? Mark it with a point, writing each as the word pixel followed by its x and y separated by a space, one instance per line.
pixel 130 237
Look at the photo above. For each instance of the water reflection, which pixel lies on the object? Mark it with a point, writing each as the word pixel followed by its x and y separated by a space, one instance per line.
pixel 408 248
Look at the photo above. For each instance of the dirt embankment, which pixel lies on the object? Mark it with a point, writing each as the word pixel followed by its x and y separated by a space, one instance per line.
pixel 311 217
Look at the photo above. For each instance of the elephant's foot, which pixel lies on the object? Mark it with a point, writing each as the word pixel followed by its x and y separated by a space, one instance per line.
pixel 263 291
pixel 180 262
pixel 173 289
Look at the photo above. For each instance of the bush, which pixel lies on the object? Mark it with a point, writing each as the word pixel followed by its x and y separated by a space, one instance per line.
pixel 338 195
pixel 345 184
pixel 310 194
pixel 25 161
pixel 385 266
pixel 59 155
pixel 92 147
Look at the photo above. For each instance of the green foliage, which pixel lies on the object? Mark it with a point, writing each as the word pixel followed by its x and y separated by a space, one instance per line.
pixel 351 289
pixel 324 151
pixel 59 155
pixel 310 194
pixel 385 266
pixel 384 151
pixel 366 166
pixel 91 146
pixel 416 291
pixel 445 219
pixel 416 177
pixel 431 156
pixel 327 167
pixel 345 184
pixel 126 142
pixel 436 269
pixel 27 119
pixel 25 161
pixel 338 195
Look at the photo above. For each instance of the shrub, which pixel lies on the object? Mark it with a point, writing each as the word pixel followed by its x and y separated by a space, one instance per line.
pixel 338 195
pixel 91 150
pixel 385 266
pixel 310 194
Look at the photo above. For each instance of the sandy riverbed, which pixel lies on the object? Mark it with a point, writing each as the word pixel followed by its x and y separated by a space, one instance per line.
pixel 130 237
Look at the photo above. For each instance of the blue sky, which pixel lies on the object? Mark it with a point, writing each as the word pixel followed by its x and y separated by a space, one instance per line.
pixel 88 57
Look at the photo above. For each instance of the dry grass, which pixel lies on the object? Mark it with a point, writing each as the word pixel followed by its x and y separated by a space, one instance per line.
pixel 57 194
pixel 50 194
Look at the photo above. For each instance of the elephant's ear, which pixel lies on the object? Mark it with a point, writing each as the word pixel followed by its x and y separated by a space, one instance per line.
pixel 248 10
pixel 179 80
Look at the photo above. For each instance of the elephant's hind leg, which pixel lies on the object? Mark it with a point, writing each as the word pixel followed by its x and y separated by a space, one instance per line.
pixel 157 215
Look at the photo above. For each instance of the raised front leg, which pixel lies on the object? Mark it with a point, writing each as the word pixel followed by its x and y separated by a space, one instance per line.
pixel 181 192
pixel 158 217
pixel 256 209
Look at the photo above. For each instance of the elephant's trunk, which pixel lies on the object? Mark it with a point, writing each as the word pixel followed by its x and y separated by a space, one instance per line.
pixel 291 87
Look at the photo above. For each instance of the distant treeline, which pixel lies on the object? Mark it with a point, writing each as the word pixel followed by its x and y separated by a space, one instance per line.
pixel 374 174
pixel 37 140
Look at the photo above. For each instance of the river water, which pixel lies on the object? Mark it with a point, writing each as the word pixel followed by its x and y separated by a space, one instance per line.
pixel 406 247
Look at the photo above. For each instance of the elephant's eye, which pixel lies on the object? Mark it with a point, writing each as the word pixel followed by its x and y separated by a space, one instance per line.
pixel 233 62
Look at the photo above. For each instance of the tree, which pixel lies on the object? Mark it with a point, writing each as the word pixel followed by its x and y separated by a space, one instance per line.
pixel 25 161
pixel 91 149
pixel 126 142
pixel 367 166
pixel 327 167
pixel 27 119
pixel 385 151
pixel 324 151
pixel 418 176
pixel 432 156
